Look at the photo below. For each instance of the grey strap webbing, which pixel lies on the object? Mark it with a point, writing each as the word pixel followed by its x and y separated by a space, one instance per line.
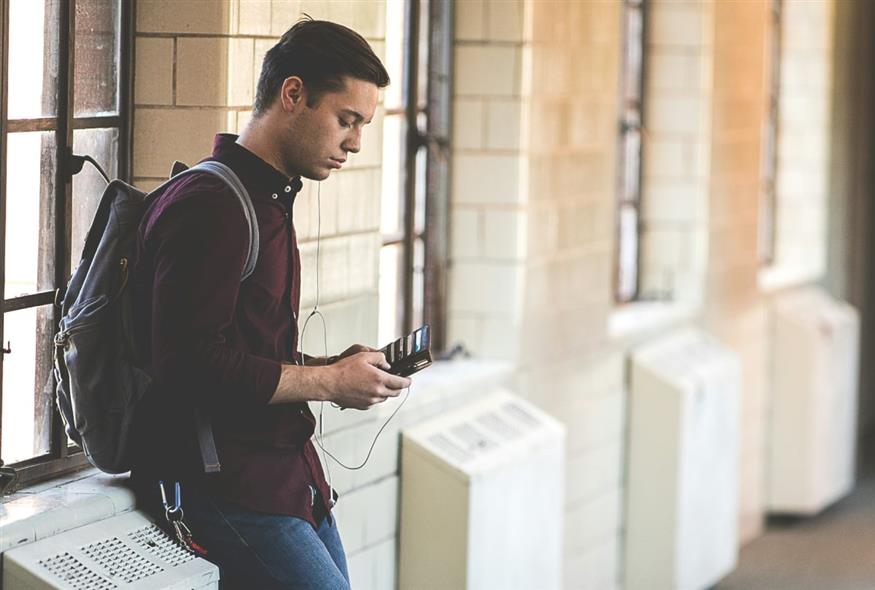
pixel 206 441
pixel 231 179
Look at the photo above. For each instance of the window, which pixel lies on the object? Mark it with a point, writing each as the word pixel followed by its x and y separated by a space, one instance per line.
pixel 769 201
pixel 65 90
pixel 415 169
pixel 629 160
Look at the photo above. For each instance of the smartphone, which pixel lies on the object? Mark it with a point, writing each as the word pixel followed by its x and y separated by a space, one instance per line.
pixel 409 354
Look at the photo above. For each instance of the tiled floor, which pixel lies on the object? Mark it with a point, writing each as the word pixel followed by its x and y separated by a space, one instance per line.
pixel 833 551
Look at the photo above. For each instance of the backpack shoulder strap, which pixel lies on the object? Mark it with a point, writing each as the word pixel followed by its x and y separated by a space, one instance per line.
pixel 203 424
pixel 233 181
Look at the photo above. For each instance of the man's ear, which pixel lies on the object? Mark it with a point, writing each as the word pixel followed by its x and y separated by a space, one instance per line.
pixel 292 93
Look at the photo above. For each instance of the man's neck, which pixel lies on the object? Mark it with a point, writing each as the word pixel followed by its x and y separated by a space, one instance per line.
pixel 256 138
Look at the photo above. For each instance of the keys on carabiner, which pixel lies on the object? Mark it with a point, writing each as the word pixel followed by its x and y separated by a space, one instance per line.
pixel 183 534
pixel 175 517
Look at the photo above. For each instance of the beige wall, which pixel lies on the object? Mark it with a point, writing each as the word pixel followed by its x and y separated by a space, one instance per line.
pixel 804 111
pixel 678 119
pixel 734 309
pixel 532 213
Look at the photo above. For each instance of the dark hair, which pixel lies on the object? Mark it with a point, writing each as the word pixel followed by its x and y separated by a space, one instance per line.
pixel 321 53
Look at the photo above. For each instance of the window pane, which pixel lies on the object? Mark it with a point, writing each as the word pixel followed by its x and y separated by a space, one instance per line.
pixel 633 54
pixel 27 389
pixel 422 65
pixel 29 213
pixel 88 185
pixel 395 11
pixel 418 282
pixel 98 33
pixel 419 197
pixel 33 58
pixel 631 165
pixel 627 280
pixel 391 304
pixel 393 164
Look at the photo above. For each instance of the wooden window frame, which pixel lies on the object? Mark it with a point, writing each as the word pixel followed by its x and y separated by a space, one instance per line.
pixel 435 139
pixel 61 458
pixel 627 268
pixel 767 242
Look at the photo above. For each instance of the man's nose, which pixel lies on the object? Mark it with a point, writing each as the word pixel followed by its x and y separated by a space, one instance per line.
pixel 354 143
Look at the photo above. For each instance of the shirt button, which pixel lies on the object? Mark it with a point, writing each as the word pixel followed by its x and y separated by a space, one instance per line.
pixel 288 189
pixel 273 196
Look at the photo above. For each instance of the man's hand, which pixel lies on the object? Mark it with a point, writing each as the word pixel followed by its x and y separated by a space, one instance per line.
pixel 355 379
pixel 359 379
pixel 321 361
pixel 354 349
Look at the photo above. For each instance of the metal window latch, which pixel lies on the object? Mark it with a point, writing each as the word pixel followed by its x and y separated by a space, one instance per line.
pixel 8 479
pixel 8 349
pixel 76 162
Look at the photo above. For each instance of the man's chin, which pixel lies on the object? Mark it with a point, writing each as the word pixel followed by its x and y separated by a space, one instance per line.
pixel 320 174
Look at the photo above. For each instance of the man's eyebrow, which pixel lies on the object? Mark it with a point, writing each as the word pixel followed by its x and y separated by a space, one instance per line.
pixel 357 115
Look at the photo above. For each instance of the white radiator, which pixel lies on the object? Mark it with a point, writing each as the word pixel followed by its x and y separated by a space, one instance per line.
pixel 682 481
pixel 125 552
pixel 813 419
pixel 482 499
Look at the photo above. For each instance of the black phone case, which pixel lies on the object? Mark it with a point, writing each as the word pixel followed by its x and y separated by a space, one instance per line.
pixel 405 357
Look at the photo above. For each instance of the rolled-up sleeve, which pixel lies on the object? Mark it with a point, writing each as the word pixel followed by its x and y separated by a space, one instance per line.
pixel 199 243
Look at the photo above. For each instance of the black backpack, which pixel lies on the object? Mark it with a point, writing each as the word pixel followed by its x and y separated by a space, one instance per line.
pixel 99 383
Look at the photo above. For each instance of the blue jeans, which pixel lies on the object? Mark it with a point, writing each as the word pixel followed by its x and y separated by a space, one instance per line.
pixel 258 550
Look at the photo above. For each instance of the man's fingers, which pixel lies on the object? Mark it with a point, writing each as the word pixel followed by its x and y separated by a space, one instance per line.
pixel 377 358
pixel 397 383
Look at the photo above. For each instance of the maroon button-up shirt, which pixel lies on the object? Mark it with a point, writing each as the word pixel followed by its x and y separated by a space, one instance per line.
pixel 214 341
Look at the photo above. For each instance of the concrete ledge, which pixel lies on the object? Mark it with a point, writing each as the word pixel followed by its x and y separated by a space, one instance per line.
pixel 60 505
pixel 639 318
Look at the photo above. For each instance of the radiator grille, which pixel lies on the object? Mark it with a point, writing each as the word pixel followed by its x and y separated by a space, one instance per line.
pixel 120 560
pixel 155 541
pixel 75 573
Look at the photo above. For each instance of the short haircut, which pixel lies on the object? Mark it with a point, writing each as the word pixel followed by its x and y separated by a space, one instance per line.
pixel 321 53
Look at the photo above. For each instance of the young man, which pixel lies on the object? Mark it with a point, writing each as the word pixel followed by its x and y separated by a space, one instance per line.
pixel 229 347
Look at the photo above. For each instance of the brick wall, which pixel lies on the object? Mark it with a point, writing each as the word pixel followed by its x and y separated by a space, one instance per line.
pixel 735 310
pixel 532 213
pixel 488 216
pixel 804 120
pixel 571 368
pixel 676 149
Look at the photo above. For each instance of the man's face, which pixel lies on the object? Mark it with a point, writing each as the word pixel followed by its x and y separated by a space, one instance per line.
pixel 321 136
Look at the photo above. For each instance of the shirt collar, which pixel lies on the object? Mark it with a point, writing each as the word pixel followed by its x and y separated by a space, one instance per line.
pixel 259 177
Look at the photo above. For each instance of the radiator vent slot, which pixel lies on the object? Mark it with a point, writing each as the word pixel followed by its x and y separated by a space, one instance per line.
pixel 472 438
pixel 120 560
pixel 517 411
pixel 449 447
pixel 495 422
pixel 75 573
pixel 155 541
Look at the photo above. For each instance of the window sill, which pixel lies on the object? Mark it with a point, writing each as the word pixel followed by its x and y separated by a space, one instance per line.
pixel 61 504
pixel 642 317
pixel 772 279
